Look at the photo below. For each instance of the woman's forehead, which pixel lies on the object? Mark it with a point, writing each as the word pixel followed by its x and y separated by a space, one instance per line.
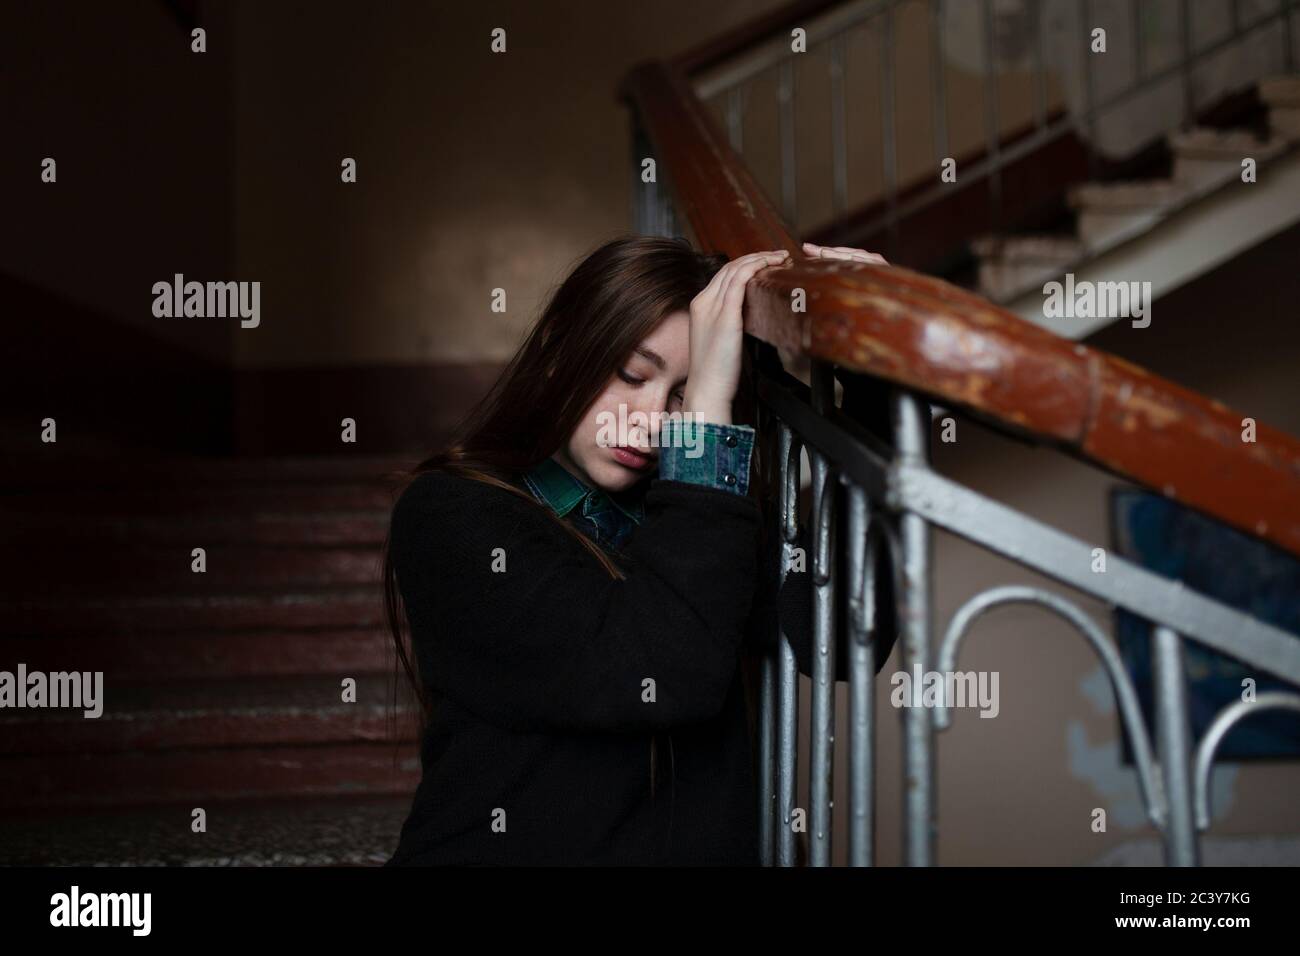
pixel 670 341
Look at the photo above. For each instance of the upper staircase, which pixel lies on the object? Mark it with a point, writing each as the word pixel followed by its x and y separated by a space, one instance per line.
pixel 995 146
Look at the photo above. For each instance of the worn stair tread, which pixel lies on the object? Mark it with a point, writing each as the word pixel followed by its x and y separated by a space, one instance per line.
pixel 205 654
pixel 125 569
pixel 332 831
pixel 1128 196
pixel 197 530
pixel 207 774
pixel 1280 90
pixel 181 473
pixel 333 608
pixel 134 700
pixel 198 714
pixel 1284 121
pixel 1011 266
pixel 284 497
pixel 1228 145
pixel 1028 248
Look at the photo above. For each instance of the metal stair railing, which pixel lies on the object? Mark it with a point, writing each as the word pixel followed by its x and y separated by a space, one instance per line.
pixel 927 340
pixel 726 69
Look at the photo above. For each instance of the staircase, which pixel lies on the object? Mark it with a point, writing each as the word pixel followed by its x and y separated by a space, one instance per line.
pixel 221 689
pixel 912 341
pixel 1108 215
pixel 992 146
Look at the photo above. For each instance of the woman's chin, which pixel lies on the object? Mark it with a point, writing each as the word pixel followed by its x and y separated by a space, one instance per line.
pixel 614 477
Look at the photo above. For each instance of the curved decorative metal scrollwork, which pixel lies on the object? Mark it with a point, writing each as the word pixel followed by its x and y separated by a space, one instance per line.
pixel 1130 712
pixel 824 520
pixel 880 532
pixel 790 490
pixel 1214 734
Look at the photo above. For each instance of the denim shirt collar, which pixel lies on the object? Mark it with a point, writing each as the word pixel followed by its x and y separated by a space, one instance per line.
pixel 613 516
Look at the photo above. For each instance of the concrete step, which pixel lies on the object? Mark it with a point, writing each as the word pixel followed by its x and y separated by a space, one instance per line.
pixel 84 533
pixel 1108 213
pixel 1125 196
pixel 1205 158
pixel 210 714
pixel 190 655
pixel 351 609
pixel 1012 265
pixel 52 569
pixel 1284 122
pixel 200 777
pixel 1281 90
pixel 286 497
pixel 1282 96
pixel 141 473
pixel 334 831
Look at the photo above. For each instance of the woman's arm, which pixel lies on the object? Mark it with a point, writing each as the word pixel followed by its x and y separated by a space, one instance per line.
pixel 520 624
pixel 790 603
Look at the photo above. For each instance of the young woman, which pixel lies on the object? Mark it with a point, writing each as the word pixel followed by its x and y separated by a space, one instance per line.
pixel 580 577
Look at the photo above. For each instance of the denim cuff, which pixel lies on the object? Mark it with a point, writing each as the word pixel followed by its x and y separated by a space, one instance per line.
pixel 706 453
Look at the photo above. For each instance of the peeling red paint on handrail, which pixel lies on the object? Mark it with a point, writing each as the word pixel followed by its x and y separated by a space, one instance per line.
pixel 928 335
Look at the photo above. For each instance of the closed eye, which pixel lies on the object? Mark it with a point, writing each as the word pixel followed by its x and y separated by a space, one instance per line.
pixel 630 378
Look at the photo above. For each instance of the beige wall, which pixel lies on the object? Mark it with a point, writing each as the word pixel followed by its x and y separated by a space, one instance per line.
pixel 476 170
pixel 481 170
pixel 141 131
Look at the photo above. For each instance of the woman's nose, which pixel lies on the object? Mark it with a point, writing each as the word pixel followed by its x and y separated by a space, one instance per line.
pixel 652 413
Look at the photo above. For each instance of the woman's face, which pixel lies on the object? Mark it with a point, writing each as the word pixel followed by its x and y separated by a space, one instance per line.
pixel 615 444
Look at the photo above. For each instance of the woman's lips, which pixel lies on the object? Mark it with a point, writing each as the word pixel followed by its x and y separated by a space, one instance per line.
pixel 632 459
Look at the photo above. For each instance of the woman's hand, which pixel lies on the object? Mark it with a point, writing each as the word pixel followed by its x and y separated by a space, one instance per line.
pixel 843 252
pixel 717 334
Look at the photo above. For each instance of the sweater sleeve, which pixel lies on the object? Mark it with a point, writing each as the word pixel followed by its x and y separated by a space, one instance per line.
pixel 519 623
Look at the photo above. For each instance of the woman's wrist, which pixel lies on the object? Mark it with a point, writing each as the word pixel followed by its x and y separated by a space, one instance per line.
pixel 706 409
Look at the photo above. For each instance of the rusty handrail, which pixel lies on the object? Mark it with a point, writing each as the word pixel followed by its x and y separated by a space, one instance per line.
pixel 932 337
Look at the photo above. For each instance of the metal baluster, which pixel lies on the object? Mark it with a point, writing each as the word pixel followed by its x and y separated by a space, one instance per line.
pixel 991 122
pixel 767 760
pixel 1139 50
pixel 938 84
pixel 1089 88
pixel 767 704
pixel 736 118
pixel 911 422
pixel 862 673
pixel 1288 45
pixel 889 141
pixel 640 202
pixel 788 667
pixel 839 149
pixel 1040 72
pixel 785 102
pixel 822 731
pixel 1185 36
pixel 652 212
pixel 1174 748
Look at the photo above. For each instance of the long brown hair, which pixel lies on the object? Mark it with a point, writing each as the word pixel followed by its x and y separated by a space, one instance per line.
pixel 609 303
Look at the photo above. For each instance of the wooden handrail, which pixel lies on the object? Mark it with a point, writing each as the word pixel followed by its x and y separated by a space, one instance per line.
pixel 937 339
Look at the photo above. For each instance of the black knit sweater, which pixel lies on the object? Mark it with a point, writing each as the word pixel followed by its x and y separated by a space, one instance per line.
pixel 550 678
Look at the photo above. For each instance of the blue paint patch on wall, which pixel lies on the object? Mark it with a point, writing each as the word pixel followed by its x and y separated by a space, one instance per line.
pixel 1221 563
